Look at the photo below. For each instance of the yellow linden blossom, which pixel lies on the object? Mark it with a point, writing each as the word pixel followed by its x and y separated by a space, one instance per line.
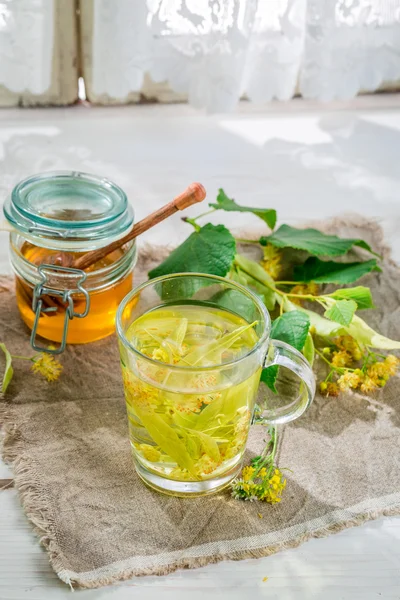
pixel 341 358
pixel 248 473
pixel 205 465
pixel 380 372
pixel 188 405
pixel 349 344
pixel 368 385
pixel 139 393
pixel 392 363
pixel 304 290
pixel 150 453
pixel 47 365
pixel 161 355
pixel 259 485
pixel 272 261
pixel 179 474
pixel 329 388
pixel 204 382
pixel 277 484
pixel 349 380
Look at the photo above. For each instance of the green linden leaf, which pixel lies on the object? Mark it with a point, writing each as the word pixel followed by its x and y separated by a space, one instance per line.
pixel 330 271
pixel 235 302
pixel 269 375
pixel 360 294
pixel 209 250
pixel 342 311
pixel 309 349
pixel 292 328
pixel 8 371
pixel 268 215
pixel 312 241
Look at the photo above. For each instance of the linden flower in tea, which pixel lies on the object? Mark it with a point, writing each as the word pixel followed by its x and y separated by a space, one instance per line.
pixel 191 423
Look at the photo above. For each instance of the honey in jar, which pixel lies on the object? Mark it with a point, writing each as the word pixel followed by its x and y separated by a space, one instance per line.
pixel 68 213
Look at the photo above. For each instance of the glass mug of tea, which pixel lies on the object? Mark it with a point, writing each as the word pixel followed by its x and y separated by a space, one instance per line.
pixel 192 349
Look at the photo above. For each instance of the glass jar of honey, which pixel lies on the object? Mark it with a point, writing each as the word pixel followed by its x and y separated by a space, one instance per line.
pixel 59 215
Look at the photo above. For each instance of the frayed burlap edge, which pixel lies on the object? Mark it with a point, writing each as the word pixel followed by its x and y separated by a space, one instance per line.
pixel 37 505
pixel 96 579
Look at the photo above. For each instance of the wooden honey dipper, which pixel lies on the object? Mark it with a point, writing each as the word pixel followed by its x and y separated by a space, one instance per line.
pixel 194 193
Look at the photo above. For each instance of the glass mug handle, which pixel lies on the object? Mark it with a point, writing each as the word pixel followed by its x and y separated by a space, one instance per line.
pixel 283 355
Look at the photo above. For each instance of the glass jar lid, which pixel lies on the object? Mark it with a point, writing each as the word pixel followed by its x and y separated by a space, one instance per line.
pixel 69 210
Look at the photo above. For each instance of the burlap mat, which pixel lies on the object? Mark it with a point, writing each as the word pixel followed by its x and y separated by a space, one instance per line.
pixel 68 444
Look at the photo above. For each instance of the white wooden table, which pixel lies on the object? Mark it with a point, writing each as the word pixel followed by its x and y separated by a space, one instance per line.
pixel 306 161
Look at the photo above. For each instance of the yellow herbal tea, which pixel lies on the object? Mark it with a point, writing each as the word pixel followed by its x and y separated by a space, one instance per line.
pixel 190 423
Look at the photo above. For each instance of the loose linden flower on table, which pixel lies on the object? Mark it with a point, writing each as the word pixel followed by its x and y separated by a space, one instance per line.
pixel 47 365
pixel 272 261
pixel 259 484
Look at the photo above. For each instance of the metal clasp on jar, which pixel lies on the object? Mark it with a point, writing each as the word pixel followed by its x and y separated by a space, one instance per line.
pixel 42 289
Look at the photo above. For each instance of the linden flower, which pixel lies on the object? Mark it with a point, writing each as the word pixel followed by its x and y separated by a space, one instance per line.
pixel 248 473
pixel 205 465
pixel 150 453
pixel 341 358
pixel 368 385
pixel 47 365
pixel 179 474
pixel 263 485
pixel 272 261
pixel 304 290
pixel 348 343
pixel 273 490
pixel 329 388
pixel 392 363
pixel 139 393
pixel 381 372
pixel 161 355
pixel 349 380
pixel 189 405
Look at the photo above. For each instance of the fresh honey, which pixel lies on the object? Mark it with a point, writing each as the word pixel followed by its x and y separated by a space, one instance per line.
pixel 56 217
pixel 104 302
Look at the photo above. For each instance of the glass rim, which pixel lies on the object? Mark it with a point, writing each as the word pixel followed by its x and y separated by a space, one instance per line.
pixel 257 301
pixel 111 223
pixel 120 205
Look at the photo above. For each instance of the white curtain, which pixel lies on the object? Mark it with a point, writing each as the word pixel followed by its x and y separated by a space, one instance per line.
pixel 26 45
pixel 218 50
pixel 215 51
